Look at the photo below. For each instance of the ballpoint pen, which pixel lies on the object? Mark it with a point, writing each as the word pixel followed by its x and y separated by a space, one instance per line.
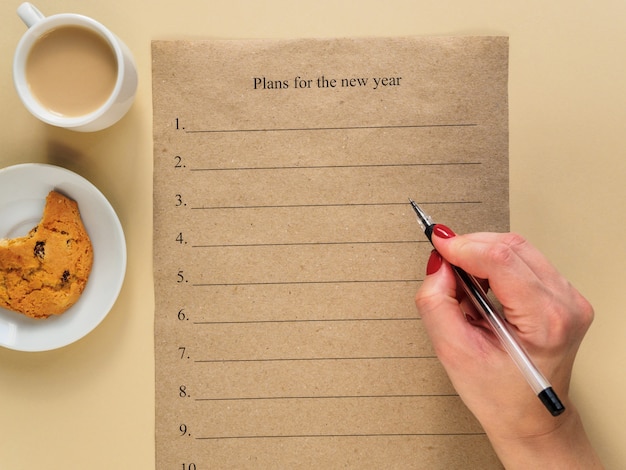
pixel 478 296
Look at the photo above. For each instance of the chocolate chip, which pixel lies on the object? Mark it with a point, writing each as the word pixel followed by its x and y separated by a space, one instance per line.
pixel 40 251
pixel 66 276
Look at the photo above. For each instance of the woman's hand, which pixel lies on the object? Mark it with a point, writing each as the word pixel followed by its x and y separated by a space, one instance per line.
pixel 550 319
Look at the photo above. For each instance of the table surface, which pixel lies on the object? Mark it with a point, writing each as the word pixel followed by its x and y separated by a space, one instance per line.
pixel 92 403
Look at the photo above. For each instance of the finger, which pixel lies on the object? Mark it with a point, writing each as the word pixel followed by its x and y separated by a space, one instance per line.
pixel 483 255
pixel 452 336
pixel 535 298
pixel 479 253
pixel 495 257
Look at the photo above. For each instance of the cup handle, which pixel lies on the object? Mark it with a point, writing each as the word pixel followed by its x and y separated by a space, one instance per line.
pixel 29 14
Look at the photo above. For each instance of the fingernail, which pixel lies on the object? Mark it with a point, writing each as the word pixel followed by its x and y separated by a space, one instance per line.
pixel 434 263
pixel 442 231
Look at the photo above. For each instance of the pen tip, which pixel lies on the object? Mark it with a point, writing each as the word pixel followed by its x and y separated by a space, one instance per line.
pixel 423 219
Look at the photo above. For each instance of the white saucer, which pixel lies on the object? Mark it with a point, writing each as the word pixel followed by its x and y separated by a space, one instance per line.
pixel 23 190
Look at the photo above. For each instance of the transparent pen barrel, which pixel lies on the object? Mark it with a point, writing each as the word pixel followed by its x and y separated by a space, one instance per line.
pixel 499 326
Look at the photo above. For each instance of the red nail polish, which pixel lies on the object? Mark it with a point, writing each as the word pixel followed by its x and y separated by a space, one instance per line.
pixel 442 231
pixel 434 263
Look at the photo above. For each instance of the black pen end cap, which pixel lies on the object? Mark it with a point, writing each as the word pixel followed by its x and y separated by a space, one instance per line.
pixel 551 401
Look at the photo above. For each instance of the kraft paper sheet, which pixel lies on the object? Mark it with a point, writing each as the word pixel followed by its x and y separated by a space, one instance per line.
pixel 287 257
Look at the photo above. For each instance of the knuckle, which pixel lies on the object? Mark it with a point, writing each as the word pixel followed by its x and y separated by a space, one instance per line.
pixel 503 252
pixel 570 316
pixel 585 311
pixel 427 301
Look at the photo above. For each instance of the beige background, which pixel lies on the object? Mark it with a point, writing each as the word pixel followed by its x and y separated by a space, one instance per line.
pixel 91 404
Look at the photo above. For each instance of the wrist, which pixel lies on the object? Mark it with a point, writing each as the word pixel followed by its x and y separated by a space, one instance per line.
pixel 564 445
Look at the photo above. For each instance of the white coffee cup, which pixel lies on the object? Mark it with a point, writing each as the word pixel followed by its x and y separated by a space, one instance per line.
pixel 113 99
